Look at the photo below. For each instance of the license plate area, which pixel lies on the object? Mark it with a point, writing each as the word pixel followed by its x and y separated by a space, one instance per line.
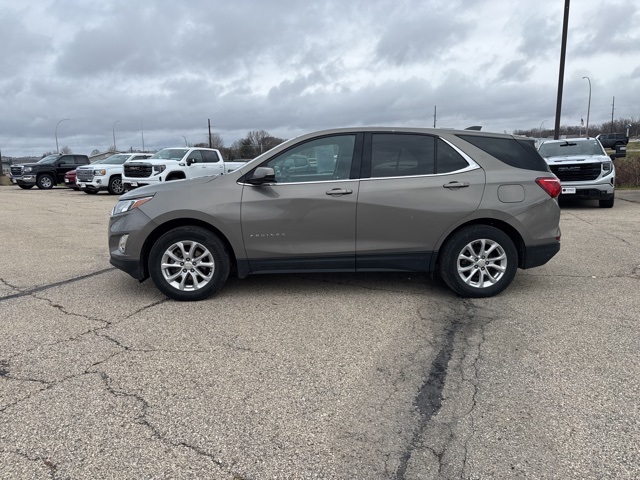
pixel 568 190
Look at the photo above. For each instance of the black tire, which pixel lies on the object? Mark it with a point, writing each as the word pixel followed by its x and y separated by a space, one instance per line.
pixel 90 192
pixel 607 203
pixel 116 187
pixel 179 283
pixel 486 276
pixel 45 182
pixel 26 187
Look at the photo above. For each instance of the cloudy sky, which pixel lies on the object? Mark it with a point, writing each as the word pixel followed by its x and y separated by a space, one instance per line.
pixel 159 69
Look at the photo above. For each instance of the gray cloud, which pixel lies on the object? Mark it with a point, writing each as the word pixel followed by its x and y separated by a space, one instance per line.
pixel 290 67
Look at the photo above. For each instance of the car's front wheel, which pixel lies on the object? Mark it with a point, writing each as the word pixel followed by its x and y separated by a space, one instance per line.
pixel 478 261
pixel 116 187
pixel 45 182
pixel 189 263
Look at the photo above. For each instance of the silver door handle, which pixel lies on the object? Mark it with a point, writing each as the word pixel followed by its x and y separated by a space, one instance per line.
pixel 336 192
pixel 456 184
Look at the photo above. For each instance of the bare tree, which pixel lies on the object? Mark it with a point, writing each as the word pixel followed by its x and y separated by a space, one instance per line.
pixel 66 150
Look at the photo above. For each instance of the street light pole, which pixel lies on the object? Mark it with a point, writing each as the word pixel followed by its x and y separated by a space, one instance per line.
pixel 57 149
pixel 541 123
pixel 185 141
pixel 588 106
pixel 115 149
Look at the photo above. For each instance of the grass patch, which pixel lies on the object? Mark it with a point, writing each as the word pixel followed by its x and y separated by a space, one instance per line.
pixel 628 171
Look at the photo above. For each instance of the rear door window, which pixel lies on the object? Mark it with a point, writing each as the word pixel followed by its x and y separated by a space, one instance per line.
pixel 402 155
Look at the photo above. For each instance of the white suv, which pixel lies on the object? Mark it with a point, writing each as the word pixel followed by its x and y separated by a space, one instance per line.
pixel 105 174
pixel 583 167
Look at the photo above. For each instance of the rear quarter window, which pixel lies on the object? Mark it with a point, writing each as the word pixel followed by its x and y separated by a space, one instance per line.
pixel 513 152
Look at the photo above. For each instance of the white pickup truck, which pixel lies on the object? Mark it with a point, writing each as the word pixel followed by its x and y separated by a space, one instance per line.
pixel 175 164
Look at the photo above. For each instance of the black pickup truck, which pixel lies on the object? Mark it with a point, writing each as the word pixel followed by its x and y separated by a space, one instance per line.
pixel 47 172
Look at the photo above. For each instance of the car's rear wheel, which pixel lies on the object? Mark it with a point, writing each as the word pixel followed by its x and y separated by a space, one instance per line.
pixel 478 261
pixel 189 263
pixel 45 182
pixel 26 187
pixel 116 187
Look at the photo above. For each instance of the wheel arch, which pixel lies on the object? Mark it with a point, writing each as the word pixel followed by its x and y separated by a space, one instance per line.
pixel 153 237
pixel 505 227
pixel 175 175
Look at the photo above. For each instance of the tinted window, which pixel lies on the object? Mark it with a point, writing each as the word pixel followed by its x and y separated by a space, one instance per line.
pixel 209 156
pixel 448 160
pixel 513 152
pixel 399 155
pixel 196 156
pixel 327 158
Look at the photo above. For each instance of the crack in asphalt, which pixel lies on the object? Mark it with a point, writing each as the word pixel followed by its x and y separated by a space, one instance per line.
pixel 466 329
pixel 142 419
pixel 24 293
pixel 428 400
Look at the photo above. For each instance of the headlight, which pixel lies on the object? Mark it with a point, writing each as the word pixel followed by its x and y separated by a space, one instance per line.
pixel 159 168
pixel 126 205
pixel 27 169
pixel 606 166
pixel 100 172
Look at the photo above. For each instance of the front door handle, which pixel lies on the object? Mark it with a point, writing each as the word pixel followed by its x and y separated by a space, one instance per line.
pixel 337 192
pixel 456 185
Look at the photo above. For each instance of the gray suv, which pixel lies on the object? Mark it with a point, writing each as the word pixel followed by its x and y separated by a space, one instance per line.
pixel 472 206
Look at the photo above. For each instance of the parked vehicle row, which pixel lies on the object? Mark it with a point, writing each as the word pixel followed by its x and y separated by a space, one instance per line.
pixel 121 171
pixel 470 205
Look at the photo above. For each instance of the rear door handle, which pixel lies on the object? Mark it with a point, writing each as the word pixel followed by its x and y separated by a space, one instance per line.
pixel 456 185
pixel 336 192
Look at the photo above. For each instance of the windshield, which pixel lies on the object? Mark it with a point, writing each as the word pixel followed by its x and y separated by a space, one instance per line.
pixel 117 159
pixel 49 159
pixel 568 147
pixel 170 154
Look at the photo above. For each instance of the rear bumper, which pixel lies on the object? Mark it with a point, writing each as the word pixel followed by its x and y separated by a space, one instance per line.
pixel 539 255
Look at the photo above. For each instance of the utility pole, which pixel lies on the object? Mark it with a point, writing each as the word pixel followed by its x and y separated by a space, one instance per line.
pixel 434 115
pixel 210 145
pixel 563 51
pixel 613 107
pixel 142 131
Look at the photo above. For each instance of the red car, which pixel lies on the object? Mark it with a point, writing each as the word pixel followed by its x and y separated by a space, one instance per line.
pixel 70 180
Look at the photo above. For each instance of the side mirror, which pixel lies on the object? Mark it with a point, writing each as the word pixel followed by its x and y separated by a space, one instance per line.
pixel 189 161
pixel 261 175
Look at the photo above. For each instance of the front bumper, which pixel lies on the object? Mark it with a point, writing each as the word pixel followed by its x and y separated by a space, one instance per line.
pixel 590 193
pixel 137 226
pixel 24 180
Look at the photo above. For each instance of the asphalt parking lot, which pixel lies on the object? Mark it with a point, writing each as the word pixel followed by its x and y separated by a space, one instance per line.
pixel 345 376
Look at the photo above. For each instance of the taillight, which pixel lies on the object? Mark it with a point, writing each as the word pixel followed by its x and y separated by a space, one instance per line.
pixel 551 185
